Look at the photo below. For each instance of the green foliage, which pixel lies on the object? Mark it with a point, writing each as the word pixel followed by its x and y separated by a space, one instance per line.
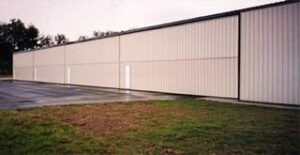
pixel 15 36
pixel 60 39
pixel 100 34
pixel 82 38
pixel 46 41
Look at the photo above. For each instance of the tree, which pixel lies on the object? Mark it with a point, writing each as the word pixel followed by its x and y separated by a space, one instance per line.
pixel 103 34
pixel 60 39
pixel 98 34
pixel 46 41
pixel 15 36
pixel 83 37
pixel 32 37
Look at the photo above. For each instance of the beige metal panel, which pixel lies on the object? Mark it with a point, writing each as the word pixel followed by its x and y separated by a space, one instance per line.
pixel 210 77
pixel 270 54
pixel 53 74
pixel 198 58
pixel 90 52
pixel 49 65
pixel 23 59
pixel 23 73
pixel 103 75
pixel 50 56
pixel 23 66
pixel 217 38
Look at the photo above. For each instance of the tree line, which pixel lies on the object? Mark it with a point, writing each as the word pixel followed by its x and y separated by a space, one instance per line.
pixel 16 36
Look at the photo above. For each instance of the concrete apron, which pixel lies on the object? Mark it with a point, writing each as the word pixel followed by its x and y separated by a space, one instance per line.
pixel 235 101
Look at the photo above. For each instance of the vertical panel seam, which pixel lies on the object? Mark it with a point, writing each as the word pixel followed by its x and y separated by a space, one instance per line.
pixel 119 42
pixel 33 66
pixel 239 57
pixel 64 64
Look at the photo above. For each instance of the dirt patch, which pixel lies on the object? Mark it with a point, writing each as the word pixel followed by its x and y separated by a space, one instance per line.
pixel 115 118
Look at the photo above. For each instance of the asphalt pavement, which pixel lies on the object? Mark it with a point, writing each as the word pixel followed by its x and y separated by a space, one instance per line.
pixel 24 94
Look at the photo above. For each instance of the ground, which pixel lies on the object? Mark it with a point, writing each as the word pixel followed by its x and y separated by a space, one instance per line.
pixel 182 126
pixel 23 94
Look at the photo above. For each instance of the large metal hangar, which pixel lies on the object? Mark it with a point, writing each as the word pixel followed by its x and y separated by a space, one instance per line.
pixel 250 54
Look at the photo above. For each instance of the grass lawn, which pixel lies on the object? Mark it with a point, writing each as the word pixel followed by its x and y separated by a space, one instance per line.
pixel 157 127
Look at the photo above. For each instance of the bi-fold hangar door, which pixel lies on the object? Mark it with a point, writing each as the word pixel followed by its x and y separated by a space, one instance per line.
pixel 198 58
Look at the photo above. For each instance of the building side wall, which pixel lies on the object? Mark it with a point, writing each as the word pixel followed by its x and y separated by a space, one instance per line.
pixel 270 54
pixel 93 52
pixel 23 66
pixel 23 73
pixel 94 63
pixel 53 74
pixel 23 59
pixel 49 65
pixel 197 77
pixel 103 75
pixel 198 58
pixel 216 38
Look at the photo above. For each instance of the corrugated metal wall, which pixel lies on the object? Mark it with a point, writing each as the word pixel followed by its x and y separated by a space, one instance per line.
pixel 198 58
pixel 185 59
pixel 94 63
pixel 23 66
pixel 49 65
pixel 270 51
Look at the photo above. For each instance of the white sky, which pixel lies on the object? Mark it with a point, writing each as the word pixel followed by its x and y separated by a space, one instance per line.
pixel 81 17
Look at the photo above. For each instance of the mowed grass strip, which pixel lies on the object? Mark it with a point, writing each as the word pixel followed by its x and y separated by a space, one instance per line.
pixel 184 126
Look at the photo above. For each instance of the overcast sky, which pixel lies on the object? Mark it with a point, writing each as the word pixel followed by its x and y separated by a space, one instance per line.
pixel 81 17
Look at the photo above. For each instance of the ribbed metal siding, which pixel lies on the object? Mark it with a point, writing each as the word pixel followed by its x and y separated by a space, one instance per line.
pixel 23 59
pixel 92 52
pixel 201 40
pixel 23 73
pixel 23 66
pixel 103 75
pixel 199 77
pixel 49 64
pixel 94 63
pixel 198 58
pixel 270 54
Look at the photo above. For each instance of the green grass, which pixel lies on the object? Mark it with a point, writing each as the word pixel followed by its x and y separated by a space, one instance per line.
pixel 23 134
pixel 178 127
